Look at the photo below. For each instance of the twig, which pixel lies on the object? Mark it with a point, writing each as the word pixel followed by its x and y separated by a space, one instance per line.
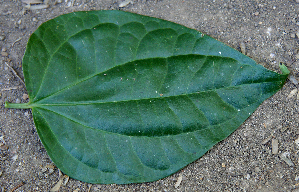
pixel 89 188
pixel 11 88
pixel 16 41
pixel 15 73
pixel 20 185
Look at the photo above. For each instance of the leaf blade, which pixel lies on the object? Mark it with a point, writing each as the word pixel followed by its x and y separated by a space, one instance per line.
pixel 121 98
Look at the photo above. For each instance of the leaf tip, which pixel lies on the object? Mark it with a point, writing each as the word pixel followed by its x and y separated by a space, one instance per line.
pixel 6 104
pixel 284 69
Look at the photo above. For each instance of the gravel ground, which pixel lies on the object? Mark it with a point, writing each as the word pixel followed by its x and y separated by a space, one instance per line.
pixel 262 155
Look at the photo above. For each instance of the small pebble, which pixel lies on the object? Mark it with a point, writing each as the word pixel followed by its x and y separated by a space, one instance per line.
pixel 26 114
pixel 293 79
pixel 257 169
pixel 272 55
pixel 297 141
pixel 266 140
pixel 292 93
pixel 34 19
pixel 247 176
pixel 243 47
pixel 19 22
pixel 284 157
pixel 274 146
pixel 178 182
pixel 58 1
pixel 51 171
pixel 44 169
pixel 125 3
pixel 2 37
pixel 3 147
pixel 3 49
pixel 70 3
pixel 293 35
pixel 256 13
pixel 18 100
pixel 15 157
pixel 4 54
pixel 66 179
pixel 25 96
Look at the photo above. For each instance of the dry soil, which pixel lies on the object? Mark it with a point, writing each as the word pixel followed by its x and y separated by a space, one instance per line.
pixel 248 160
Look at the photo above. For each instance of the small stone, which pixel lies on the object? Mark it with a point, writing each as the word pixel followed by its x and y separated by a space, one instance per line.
pixel 3 49
pixel 272 55
pixel 293 79
pixel 15 157
pixel 256 13
pixel 178 182
pixel 292 93
pixel 293 35
pixel 66 179
pixel 223 165
pixel 58 1
pixel 3 147
pixel 34 19
pixel 18 100
pixel 4 54
pixel 25 96
pixel 274 146
pixel 19 22
pixel 2 37
pixel 247 176
pixel 51 171
pixel 297 178
pixel 243 48
pixel 26 113
pixel 44 169
pixel 284 157
pixel 70 3
pixel 297 141
pixel 125 3
pixel 257 169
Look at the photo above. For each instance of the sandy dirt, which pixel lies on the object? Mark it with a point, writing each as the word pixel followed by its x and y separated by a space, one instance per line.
pixel 267 31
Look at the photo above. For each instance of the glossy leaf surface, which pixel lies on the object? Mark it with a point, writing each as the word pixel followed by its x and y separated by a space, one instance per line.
pixel 123 98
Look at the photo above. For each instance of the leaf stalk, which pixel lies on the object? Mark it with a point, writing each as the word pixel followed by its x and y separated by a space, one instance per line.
pixel 17 105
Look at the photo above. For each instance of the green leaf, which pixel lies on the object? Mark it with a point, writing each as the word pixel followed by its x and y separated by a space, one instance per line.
pixel 284 69
pixel 118 97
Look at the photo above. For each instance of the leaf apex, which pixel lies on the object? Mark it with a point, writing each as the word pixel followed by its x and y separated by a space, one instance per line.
pixel 284 69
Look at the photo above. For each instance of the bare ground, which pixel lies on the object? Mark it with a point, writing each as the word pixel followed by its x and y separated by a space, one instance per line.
pixel 267 30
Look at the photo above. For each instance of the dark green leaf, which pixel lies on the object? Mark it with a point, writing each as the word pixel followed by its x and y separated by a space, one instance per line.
pixel 122 98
